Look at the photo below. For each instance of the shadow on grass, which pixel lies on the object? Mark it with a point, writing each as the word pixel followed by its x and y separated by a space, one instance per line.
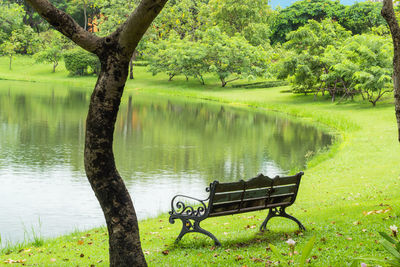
pixel 197 241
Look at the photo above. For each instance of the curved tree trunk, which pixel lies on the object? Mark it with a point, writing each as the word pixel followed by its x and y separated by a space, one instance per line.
pixel 114 52
pixel 110 190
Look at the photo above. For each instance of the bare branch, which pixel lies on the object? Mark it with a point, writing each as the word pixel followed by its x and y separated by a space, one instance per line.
pixel 65 24
pixel 138 22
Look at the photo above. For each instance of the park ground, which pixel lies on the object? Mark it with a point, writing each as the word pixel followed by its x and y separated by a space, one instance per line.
pixel 348 193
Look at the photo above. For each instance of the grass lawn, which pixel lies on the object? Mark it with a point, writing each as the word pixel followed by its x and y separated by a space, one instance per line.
pixel 346 196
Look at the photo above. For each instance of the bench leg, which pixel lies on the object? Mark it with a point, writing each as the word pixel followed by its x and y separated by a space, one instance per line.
pixel 189 227
pixel 275 212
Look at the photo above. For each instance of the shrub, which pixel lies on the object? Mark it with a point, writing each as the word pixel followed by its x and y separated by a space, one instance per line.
pixel 77 62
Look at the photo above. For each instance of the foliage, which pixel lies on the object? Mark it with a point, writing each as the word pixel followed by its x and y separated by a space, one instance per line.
pixel 250 18
pixel 54 44
pixel 391 245
pixel 303 256
pixel 175 57
pixel 11 19
pixel 28 40
pixel 305 65
pixel 299 13
pixel 77 61
pixel 233 57
pixel 362 17
pixel 216 52
pixel 363 64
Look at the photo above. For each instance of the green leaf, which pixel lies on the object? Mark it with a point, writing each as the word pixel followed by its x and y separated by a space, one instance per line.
pixel 307 250
pixel 388 246
pixel 388 238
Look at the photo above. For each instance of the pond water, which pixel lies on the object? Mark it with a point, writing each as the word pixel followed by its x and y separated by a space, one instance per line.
pixel 163 146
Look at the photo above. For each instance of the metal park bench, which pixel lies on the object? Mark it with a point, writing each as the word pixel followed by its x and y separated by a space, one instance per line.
pixel 261 192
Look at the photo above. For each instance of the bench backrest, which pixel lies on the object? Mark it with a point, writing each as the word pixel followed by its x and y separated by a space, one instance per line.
pixel 258 193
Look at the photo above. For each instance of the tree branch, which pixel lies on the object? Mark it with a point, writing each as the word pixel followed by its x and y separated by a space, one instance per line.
pixel 136 25
pixel 65 24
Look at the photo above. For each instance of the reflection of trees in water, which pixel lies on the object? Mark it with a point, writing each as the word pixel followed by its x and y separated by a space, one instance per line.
pixel 153 135
pixel 218 142
pixel 42 130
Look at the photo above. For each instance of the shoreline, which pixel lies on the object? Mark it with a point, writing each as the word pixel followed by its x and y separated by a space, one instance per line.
pixel 359 173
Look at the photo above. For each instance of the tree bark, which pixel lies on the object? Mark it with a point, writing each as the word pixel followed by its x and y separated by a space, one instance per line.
pixel 110 190
pixel 390 17
pixel 114 52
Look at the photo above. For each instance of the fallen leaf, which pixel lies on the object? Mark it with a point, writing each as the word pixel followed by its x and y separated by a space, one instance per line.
pixel 146 252
pixel 53 260
pixel 257 260
pixel 357 223
pixel 80 242
pixel 82 255
pixel 165 252
pixel 238 258
pixel 10 261
pixel 377 211
pixel 349 238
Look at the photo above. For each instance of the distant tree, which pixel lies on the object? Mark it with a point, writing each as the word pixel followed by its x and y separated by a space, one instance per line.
pixel 232 58
pixel 250 18
pixel 299 13
pixel 11 19
pixel 305 66
pixel 362 64
pixel 28 40
pixel 9 48
pixel 54 44
pixel 361 17
pixel 174 56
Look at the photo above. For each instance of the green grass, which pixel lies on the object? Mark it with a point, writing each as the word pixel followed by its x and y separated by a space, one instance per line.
pixel 360 173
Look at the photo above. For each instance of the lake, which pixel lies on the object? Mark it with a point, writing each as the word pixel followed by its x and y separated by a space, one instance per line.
pixel 163 146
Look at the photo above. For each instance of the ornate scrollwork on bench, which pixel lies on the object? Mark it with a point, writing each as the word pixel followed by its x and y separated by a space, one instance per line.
pixel 180 208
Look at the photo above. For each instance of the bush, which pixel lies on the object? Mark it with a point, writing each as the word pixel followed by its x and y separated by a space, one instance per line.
pixel 77 62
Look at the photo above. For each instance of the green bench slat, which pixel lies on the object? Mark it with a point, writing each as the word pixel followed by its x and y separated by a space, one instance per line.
pixel 250 194
pixel 228 187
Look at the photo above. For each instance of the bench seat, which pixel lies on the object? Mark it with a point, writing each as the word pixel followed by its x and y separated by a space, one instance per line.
pixel 258 193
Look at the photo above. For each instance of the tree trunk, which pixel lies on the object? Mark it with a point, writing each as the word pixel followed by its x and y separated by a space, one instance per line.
pixel 223 83
pixel 55 64
pixel 114 52
pixel 109 188
pixel 85 15
pixel 388 14
pixel 10 62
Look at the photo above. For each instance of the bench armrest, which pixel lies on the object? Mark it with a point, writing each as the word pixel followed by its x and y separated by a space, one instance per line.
pixel 180 208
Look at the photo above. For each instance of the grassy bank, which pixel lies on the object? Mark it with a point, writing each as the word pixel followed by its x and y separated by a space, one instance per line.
pixel 347 195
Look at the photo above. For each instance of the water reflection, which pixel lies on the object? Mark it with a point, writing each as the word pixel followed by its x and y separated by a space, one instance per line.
pixel 162 146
